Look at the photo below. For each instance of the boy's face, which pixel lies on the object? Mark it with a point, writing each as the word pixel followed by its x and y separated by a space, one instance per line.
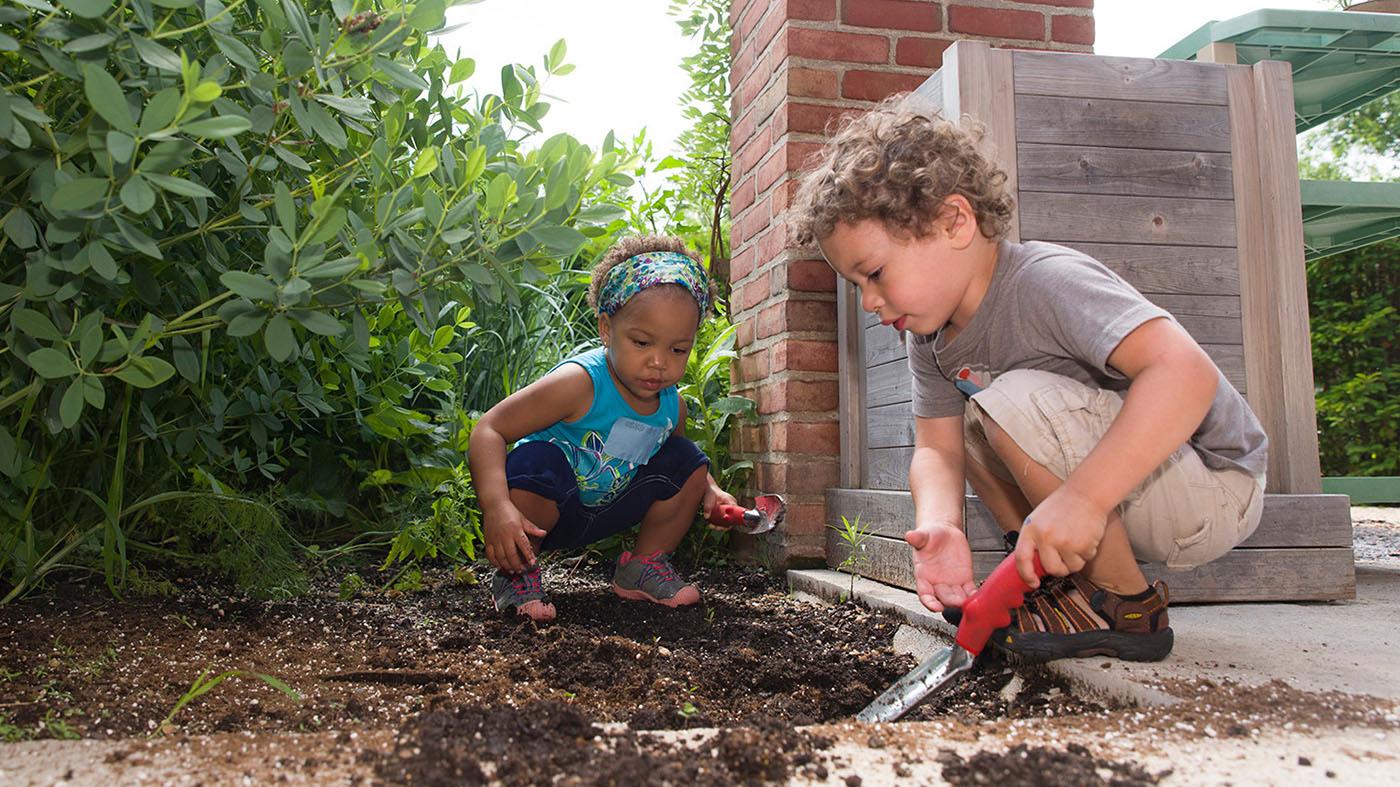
pixel 913 284
pixel 648 342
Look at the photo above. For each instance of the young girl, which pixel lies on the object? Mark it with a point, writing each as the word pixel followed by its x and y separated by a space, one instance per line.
pixel 602 438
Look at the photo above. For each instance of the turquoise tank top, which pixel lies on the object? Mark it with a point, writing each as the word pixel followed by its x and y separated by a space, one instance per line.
pixel 607 445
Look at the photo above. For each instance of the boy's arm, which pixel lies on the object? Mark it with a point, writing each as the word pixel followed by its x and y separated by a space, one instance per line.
pixel 1173 385
pixel 564 394
pixel 942 559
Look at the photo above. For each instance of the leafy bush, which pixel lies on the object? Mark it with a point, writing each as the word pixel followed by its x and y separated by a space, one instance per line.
pixel 1353 301
pixel 243 246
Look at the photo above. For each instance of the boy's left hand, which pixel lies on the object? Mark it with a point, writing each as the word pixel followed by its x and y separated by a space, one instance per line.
pixel 1065 529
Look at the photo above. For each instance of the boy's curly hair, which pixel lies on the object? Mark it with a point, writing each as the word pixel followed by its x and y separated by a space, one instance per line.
pixel 641 244
pixel 898 164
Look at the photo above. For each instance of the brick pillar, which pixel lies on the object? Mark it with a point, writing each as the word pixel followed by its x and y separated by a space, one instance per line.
pixel 796 66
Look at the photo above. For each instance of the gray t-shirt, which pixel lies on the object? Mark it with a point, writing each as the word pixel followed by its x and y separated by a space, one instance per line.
pixel 1058 310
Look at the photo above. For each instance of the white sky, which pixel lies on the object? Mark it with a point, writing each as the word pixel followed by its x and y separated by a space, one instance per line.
pixel 628 52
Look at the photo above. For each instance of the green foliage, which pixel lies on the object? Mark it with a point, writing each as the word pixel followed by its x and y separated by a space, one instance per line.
pixel 244 246
pixel 204 684
pixel 855 535
pixel 1353 301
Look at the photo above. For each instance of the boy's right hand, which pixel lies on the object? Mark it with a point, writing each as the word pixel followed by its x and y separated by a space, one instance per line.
pixel 507 533
pixel 942 566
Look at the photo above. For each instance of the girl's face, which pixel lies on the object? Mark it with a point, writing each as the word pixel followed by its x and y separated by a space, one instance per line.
pixel 648 342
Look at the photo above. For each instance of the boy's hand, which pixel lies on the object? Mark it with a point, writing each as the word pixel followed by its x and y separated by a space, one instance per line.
pixel 715 496
pixel 1065 529
pixel 942 566
pixel 507 533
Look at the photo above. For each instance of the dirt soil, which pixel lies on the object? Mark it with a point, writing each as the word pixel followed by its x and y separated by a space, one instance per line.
pixel 436 688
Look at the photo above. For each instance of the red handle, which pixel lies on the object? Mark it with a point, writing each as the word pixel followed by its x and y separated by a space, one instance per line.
pixel 989 608
pixel 727 515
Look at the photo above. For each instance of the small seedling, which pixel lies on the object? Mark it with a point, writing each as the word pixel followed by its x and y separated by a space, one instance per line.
pixel 204 684
pixel 855 535
pixel 688 709
pixel 350 586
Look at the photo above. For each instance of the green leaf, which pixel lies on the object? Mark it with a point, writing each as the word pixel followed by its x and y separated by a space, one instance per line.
pixel 286 208
pixel 78 194
pixel 325 126
pixel 247 324
pixel 137 195
pixel 249 285
pixel 143 372
pixel 88 43
pixel 52 364
pixel 186 359
pixel 562 241
pixel 400 75
pixel 278 338
pixel 426 162
pixel 20 229
pixel 160 111
pixel 94 392
pixel 556 55
pixel 206 92
pixel 476 164
pixel 219 127
pixel 36 325
pixel 87 9
pixel 427 15
pixel 106 98
pixel 70 407
pixel 319 322
pixel 120 145
pixel 499 193
pixel 330 226
pixel 155 55
pixel 179 186
pixel 461 70
pixel 101 260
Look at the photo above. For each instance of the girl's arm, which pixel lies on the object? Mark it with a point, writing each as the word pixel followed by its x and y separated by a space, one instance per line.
pixel 564 394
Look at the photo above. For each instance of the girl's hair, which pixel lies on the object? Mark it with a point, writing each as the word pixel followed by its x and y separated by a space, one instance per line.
pixel 630 247
pixel 898 164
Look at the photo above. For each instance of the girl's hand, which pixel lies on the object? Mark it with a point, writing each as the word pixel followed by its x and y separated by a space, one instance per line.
pixel 1065 529
pixel 507 534
pixel 942 566
pixel 715 496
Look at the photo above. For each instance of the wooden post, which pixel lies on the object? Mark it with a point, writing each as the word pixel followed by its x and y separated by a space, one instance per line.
pixel 850 332
pixel 978 86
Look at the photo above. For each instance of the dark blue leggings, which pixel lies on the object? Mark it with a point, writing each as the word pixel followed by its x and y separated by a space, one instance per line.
pixel 541 468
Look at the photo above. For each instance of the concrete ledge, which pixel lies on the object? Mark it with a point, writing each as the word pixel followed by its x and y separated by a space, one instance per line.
pixel 1085 676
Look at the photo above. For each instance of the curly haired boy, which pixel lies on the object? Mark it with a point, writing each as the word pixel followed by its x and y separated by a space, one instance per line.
pixel 1086 419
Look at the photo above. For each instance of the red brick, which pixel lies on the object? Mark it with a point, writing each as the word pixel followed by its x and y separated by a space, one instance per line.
pixel 753 152
pixel 752 223
pixel 756 81
pixel 773 243
pixel 804 437
pixel 876 85
pixel 740 65
pixel 742 264
pixel 1063 3
pixel 805 519
pixel 1072 29
pixel 813 118
pixel 811 276
pixel 896 14
pixel 754 292
pixel 923 52
pixel 772 169
pixel 800 155
pixel 804 355
pixel 748 21
pixel 742 131
pixel 811 316
pixel 811 82
pixel 743 335
pixel 818 10
pixel 830 45
pixel 749 439
pixel 782 195
pixel 996 22
pixel 754 365
pixel 770 27
pixel 741 197
pixel 811 476
pixel 802 396
pixel 770 321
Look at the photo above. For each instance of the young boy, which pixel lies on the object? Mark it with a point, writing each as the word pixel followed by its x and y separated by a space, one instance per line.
pixel 1083 415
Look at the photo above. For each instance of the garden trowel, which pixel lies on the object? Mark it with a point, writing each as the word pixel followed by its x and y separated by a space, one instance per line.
pixel 766 514
pixel 986 610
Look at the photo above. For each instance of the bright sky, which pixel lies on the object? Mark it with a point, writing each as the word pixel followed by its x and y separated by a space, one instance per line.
pixel 628 52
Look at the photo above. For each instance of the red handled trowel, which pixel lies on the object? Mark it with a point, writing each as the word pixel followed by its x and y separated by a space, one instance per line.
pixel 766 514
pixel 986 610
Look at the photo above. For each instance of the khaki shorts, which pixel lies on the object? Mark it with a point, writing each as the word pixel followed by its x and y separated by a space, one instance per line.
pixel 1183 514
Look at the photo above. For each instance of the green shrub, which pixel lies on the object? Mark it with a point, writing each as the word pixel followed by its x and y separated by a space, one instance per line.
pixel 243 246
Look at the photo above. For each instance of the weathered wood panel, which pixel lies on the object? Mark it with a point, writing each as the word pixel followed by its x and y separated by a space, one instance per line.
pixel 1141 125
pixel 890 426
pixel 1210 319
pixel 978 83
pixel 1136 78
pixel 882 345
pixel 887 384
pixel 1288 521
pixel 1273 285
pixel 1142 173
pixel 1185 270
pixel 888 468
pixel 851 365
pixel 1066 218
pixel 1306 574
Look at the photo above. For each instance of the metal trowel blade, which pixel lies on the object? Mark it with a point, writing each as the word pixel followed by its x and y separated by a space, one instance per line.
pixel 907 692
pixel 766 514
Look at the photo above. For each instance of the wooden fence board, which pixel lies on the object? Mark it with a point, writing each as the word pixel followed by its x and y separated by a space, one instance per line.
pixel 1143 173
pixel 1069 218
pixel 1138 125
pixel 1184 270
pixel 1142 79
